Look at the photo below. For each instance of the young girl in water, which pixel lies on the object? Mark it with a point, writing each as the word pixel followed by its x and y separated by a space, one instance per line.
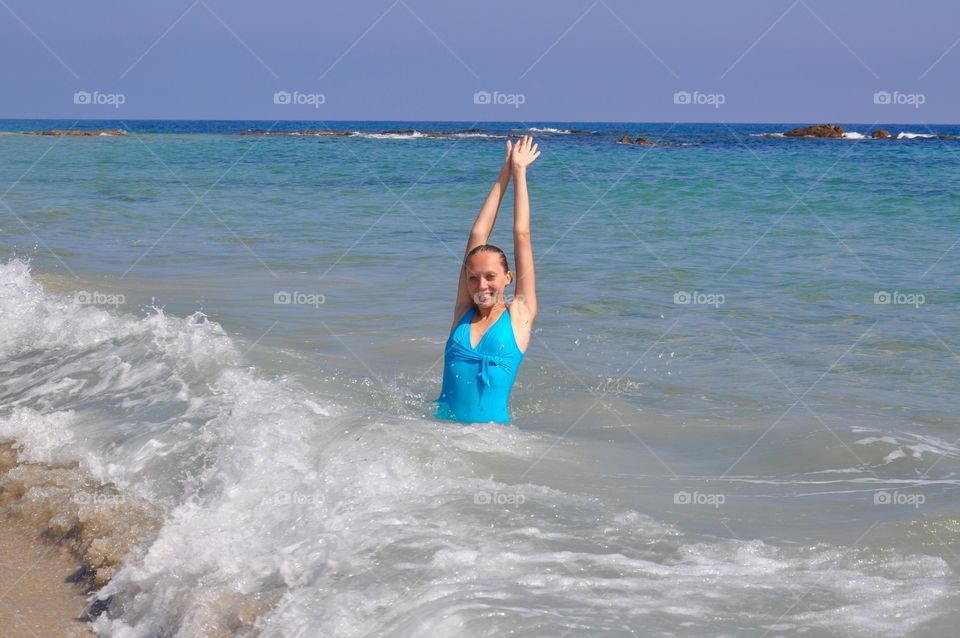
pixel 487 340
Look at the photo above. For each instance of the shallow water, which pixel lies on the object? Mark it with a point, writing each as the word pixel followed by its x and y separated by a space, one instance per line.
pixel 776 457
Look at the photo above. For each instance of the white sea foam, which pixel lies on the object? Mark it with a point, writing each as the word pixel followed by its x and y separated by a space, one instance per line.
pixel 909 136
pixel 907 445
pixel 547 129
pixel 393 136
pixel 481 136
pixel 287 514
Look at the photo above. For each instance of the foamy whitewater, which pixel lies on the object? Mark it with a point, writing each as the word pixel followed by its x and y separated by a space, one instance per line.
pixel 284 509
pixel 234 467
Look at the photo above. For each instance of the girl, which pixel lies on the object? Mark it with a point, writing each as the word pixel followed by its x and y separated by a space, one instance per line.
pixel 487 340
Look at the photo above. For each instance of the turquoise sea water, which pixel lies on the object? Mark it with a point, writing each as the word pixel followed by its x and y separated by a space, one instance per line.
pixel 737 416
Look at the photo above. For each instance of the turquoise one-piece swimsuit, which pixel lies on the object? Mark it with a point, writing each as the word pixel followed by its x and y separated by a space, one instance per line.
pixel 477 381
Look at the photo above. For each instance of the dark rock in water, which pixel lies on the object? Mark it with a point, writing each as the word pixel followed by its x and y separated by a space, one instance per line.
pixel 83 575
pixel 96 608
pixel 880 134
pixel 640 140
pixel 471 130
pixel 403 132
pixel 110 132
pixel 818 130
pixel 328 133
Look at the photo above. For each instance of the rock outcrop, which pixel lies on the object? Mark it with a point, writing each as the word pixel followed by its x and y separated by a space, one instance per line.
pixel 817 130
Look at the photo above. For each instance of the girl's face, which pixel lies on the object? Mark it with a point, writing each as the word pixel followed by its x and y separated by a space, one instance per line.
pixel 486 279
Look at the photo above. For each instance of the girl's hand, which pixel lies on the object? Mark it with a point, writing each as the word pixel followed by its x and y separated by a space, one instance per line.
pixel 506 160
pixel 524 153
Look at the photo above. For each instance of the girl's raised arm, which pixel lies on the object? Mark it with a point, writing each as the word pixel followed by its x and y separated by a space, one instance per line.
pixel 481 230
pixel 525 302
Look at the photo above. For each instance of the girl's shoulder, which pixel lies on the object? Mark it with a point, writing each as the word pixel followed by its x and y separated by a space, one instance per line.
pixel 521 320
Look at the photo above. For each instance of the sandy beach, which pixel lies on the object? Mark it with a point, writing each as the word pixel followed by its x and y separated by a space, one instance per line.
pixel 35 597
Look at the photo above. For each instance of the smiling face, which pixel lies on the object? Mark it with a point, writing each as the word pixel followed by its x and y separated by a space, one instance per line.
pixel 486 279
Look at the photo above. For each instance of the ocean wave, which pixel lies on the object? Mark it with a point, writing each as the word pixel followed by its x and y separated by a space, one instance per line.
pixel 415 134
pixel 301 133
pixel 410 134
pixel 255 506
pixel 547 129
pixel 906 445
pixel 481 136
pixel 398 135
pixel 912 136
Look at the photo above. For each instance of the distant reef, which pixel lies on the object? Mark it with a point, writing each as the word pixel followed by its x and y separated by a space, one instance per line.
pixel 108 132
pixel 832 131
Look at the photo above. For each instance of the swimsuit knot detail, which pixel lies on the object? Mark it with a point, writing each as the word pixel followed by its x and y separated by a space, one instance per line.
pixel 473 356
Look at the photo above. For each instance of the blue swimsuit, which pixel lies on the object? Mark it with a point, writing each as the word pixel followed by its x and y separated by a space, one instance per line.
pixel 477 381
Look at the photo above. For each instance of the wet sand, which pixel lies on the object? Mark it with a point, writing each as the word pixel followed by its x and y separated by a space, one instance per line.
pixel 35 599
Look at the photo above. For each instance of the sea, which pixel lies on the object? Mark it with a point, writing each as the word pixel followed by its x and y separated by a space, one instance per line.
pixel 220 342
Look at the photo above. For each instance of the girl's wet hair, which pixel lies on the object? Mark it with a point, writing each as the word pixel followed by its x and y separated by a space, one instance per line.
pixel 490 248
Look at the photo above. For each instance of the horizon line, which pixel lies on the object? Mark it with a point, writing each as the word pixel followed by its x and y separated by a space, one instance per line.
pixel 202 119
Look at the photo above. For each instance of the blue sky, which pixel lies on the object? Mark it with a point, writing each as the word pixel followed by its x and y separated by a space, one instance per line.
pixel 589 60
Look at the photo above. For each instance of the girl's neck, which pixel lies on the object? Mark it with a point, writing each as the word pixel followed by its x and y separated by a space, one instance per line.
pixel 491 312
